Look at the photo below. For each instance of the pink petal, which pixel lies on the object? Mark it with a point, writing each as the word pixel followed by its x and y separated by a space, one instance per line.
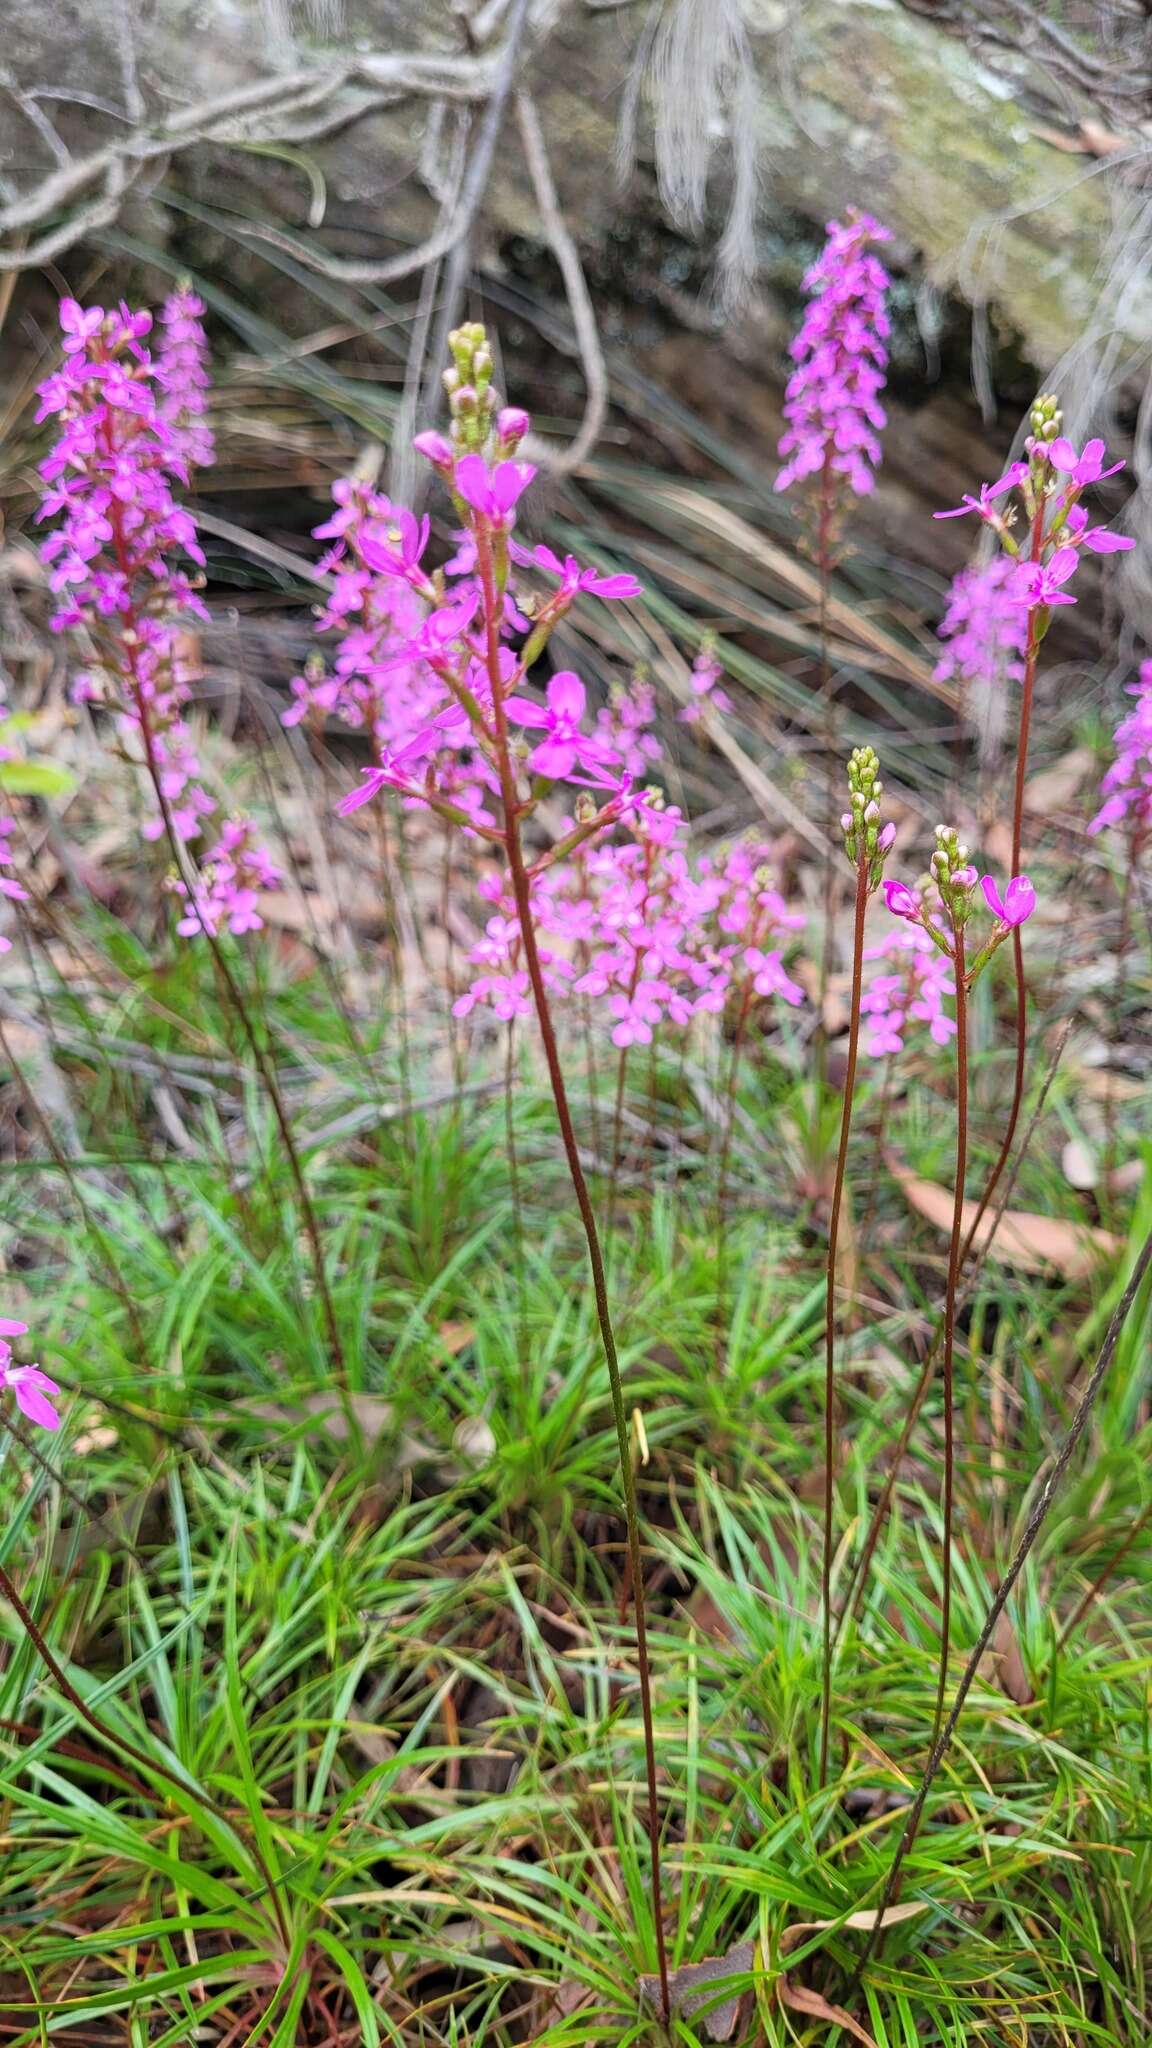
pixel 1019 899
pixel 555 759
pixel 993 898
pixel 1062 455
pixel 567 695
pixel 10 1329
pixel 471 481
pixel 525 712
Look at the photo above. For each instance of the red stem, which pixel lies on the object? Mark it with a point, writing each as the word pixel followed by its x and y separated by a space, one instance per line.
pixel 955 1261
pixel 522 893
pixel 862 868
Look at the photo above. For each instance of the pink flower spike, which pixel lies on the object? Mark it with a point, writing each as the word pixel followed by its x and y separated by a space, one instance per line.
pixel 1017 903
pixel 901 900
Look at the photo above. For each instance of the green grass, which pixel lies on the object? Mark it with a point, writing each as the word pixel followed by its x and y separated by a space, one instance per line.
pixel 387 1652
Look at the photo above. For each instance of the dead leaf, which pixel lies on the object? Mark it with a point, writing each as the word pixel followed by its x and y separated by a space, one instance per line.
pixel 800 1999
pixel 1010 1672
pixel 1081 1166
pixel 692 1987
pixel 1055 787
pixel 336 1415
pixel 474 1439
pixel 1029 1243
pixel 864 1921
pixel 455 1337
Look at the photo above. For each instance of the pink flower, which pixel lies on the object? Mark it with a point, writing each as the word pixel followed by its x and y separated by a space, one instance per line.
pixel 769 978
pixel 566 746
pixel 1082 469
pixel 494 493
pixel 30 1386
pixel 983 504
pixel 397 552
pixel 983 626
pixel 1099 540
pixel 573 578
pixel 901 900
pixel 1017 903
pixel 1041 583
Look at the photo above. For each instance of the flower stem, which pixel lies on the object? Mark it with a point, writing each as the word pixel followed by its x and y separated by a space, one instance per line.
pixel 862 866
pixel 1031 654
pixel 1036 1520
pixel 522 895
pixel 955 1256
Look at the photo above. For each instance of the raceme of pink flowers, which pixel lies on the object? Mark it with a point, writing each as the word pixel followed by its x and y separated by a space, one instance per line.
pixel 1041 556
pixel 129 426
pixel 832 401
pixel 1127 784
pixel 984 627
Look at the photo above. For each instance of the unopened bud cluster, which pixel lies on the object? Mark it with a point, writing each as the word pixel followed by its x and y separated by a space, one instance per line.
pixel 473 403
pixel 953 874
pixel 1045 422
pixel 865 836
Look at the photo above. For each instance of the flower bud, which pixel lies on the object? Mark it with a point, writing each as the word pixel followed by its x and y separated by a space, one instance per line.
pixel 511 426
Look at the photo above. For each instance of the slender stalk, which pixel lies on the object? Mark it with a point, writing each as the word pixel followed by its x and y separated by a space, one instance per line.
pixel 1031 655
pixel 514 1183
pixel 522 894
pixel 862 866
pixel 954 1261
pixel 722 1176
pixel 127 647
pixel 1036 1520
pixel 879 1514
pixel 121 1746
pixel 825 517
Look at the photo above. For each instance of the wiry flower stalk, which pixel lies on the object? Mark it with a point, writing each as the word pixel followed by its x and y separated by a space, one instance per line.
pixel 867 843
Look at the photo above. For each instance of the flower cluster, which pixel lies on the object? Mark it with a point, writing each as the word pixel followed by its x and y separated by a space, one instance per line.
pixel 832 402
pixel 30 1386
pixel 1127 784
pixel 911 990
pixel 704 683
pixel 942 907
pixel 1048 486
pixel 115 557
pixel 232 877
pixel 865 836
pixel 185 380
pixel 984 626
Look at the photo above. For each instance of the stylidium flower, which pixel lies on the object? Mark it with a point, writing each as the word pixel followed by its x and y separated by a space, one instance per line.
pixel 30 1386
pixel 832 402
pixel 983 504
pixel 566 746
pixel 573 578
pixel 1042 583
pixel 494 493
pixel 1087 468
pixel 901 900
pixel 1099 540
pixel 1017 903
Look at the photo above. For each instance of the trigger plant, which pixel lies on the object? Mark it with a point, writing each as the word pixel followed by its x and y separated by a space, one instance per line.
pixel 867 843
pixel 831 444
pixel 1043 530
pixel 482 756
pixel 942 911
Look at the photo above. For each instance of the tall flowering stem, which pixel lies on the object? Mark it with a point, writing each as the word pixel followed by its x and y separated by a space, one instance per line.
pixel 866 843
pixel 470 764
pixel 832 407
pixel 1048 487
pixel 942 911
pixel 113 567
